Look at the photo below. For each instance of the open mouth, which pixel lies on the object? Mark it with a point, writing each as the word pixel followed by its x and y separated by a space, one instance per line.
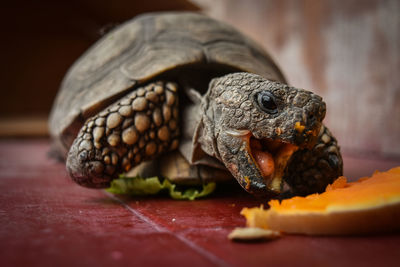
pixel 271 158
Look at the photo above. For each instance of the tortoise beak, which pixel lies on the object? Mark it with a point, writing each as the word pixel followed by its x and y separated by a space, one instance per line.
pixel 258 165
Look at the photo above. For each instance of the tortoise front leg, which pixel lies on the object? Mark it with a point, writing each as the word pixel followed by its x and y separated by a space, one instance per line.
pixel 138 127
pixel 310 171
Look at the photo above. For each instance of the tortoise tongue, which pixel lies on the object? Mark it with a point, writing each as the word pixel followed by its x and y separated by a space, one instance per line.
pixel 265 162
pixel 258 164
pixel 272 164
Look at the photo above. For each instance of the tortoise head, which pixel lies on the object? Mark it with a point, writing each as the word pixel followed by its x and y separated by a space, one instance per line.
pixel 254 125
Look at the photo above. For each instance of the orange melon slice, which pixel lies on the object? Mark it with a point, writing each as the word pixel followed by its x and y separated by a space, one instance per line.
pixel 370 205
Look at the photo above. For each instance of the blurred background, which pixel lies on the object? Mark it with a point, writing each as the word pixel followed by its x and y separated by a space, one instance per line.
pixel 346 51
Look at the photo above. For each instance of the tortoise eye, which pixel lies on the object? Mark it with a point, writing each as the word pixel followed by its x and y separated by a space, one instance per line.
pixel 266 101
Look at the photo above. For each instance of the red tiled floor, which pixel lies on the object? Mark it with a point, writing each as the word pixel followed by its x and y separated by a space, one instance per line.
pixel 46 220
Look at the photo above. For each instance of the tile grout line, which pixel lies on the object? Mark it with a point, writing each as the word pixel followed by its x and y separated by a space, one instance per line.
pixel 162 229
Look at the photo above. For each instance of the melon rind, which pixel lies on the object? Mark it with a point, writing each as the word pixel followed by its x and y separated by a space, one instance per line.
pixel 379 219
pixel 368 206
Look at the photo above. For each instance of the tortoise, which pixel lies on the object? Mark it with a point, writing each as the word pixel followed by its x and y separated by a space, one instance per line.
pixel 198 101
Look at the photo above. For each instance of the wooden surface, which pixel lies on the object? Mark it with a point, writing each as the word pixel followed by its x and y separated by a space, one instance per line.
pixel 346 51
pixel 47 220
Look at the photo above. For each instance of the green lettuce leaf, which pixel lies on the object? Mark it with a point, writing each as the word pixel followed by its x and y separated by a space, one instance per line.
pixel 138 186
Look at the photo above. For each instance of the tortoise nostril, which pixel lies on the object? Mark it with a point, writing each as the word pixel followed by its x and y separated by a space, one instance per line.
pixel 83 156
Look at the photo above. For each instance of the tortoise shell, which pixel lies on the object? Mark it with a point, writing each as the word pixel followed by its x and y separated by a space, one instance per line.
pixel 187 46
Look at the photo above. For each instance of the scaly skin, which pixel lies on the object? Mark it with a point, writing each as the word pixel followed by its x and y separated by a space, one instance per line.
pixel 144 124
pixel 310 170
pixel 139 127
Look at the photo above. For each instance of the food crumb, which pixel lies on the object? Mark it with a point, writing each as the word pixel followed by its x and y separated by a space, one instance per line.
pixel 300 128
pixel 253 234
